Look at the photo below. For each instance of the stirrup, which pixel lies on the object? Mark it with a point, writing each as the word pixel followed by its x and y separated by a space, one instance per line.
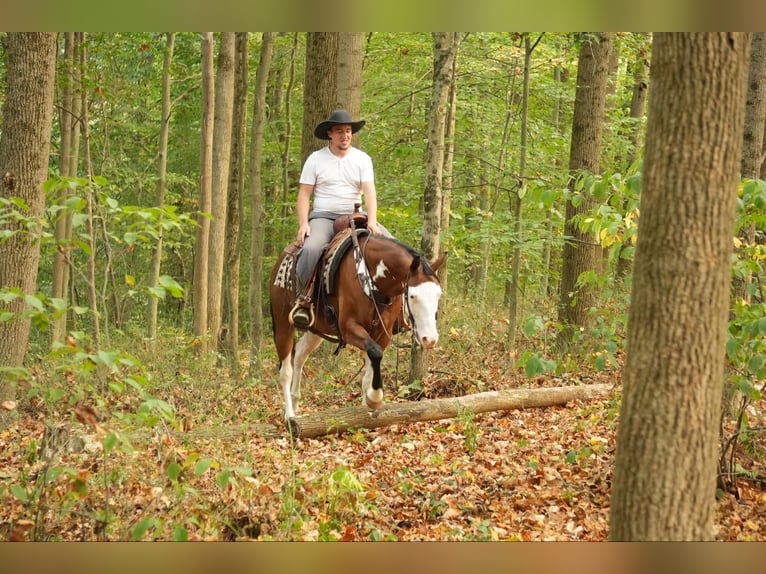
pixel 300 316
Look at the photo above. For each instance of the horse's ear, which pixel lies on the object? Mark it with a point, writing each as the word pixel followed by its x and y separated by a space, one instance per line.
pixel 439 262
pixel 415 265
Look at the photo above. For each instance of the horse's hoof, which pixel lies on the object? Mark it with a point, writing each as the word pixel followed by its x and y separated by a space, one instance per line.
pixel 374 399
pixel 293 427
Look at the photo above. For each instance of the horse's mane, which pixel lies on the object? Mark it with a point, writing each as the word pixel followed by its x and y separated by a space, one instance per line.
pixel 412 251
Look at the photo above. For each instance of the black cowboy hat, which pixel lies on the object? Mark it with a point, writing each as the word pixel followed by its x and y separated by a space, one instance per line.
pixel 338 117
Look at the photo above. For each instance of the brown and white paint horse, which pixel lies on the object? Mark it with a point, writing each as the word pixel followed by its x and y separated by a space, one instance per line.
pixel 358 304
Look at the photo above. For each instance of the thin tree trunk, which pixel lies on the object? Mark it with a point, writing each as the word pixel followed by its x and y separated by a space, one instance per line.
pixel 224 107
pixel 90 280
pixel 202 241
pixel 513 307
pixel 162 168
pixel 667 442
pixel 445 49
pixel 67 120
pixel 752 152
pixel 255 293
pixel 230 338
pixel 448 179
pixel 637 107
pixel 286 184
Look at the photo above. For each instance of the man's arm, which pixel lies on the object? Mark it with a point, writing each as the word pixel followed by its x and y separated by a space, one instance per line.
pixel 371 206
pixel 302 207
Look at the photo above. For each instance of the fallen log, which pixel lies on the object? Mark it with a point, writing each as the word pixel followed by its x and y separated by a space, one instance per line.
pixel 335 421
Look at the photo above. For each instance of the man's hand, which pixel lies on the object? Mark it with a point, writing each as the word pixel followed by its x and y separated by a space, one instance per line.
pixel 303 232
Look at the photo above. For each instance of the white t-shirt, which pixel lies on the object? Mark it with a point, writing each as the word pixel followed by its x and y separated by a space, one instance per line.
pixel 337 180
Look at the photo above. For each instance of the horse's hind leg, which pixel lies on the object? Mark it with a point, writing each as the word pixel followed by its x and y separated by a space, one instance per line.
pixel 306 345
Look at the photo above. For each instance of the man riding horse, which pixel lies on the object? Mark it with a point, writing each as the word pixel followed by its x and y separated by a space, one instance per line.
pixel 337 175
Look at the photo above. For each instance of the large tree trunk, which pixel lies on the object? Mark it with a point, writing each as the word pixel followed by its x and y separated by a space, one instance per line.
pixel 255 293
pixel 320 92
pixel 224 106
pixel 667 441
pixel 581 252
pixel 340 420
pixel 202 240
pixel 162 169
pixel 445 50
pixel 24 150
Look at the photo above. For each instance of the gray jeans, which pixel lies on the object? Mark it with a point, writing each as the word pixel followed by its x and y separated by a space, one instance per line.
pixel 314 244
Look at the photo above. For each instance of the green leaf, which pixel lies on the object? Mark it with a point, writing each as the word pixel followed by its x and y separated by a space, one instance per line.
pixel 20 492
pixel 109 442
pixel 174 471
pixel 180 534
pixel 202 466
pixel 140 529
pixel 171 285
pixel 535 366
pixel 223 478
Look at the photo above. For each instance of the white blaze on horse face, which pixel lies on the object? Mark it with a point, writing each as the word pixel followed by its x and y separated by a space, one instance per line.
pixel 380 271
pixel 423 301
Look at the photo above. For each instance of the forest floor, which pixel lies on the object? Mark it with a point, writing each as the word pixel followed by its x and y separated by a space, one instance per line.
pixel 540 474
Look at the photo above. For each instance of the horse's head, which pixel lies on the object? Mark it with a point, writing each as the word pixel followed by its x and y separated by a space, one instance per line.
pixel 422 300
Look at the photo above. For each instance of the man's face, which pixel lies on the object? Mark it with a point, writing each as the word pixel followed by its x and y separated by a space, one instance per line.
pixel 340 136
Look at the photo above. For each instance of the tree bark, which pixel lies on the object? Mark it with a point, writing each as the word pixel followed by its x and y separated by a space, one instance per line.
pixel 581 252
pixel 68 118
pixel 24 153
pixel 753 138
pixel 224 106
pixel 445 50
pixel 230 314
pixel 667 441
pixel 334 421
pixel 320 92
pixel 350 63
pixel 162 169
pixel 255 293
pixel 202 240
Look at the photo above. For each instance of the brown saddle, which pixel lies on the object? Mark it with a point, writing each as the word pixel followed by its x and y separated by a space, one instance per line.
pixel 356 220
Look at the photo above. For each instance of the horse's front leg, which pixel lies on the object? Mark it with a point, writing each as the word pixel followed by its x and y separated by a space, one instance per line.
pixel 305 346
pixel 372 395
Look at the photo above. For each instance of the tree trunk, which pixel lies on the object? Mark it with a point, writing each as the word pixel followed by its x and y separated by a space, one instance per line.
pixel 224 106
pixel 90 274
pixel 448 179
pixel 637 107
pixel 24 152
pixel 513 307
pixel 350 63
pixel 162 168
pixel 68 118
pixel 667 441
pixel 202 240
pixel 255 293
pixel 320 92
pixel 752 150
pixel 582 250
pixel 230 334
pixel 445 49
pixel 340 420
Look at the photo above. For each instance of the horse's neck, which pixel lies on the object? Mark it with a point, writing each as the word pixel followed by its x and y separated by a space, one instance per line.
pixel 397 261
